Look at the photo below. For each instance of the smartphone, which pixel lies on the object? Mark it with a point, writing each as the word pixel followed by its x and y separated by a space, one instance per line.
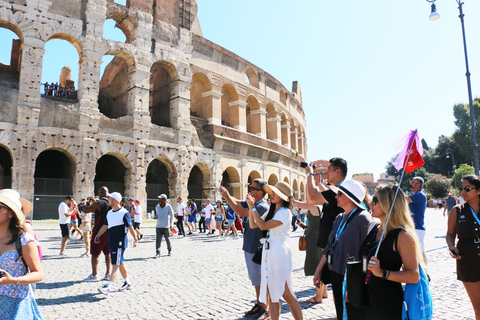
pixel 303 164
pixel 2 274
pixel 454 253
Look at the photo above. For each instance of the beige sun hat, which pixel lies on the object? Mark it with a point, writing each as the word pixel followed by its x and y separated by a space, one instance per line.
pixel 282 189
pixel 11 199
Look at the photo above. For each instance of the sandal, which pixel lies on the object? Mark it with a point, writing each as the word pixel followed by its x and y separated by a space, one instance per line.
pixel 313 300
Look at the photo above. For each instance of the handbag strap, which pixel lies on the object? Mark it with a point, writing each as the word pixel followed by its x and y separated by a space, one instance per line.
pixel 313 229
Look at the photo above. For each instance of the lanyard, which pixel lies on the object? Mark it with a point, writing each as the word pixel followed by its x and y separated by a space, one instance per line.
pixel 475 216
pixel 255 206
pixel 342 227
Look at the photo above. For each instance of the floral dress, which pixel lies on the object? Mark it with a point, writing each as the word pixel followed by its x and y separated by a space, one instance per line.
pixel 17 301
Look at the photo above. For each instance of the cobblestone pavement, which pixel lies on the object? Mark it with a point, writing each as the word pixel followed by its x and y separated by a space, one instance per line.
pixel 204 278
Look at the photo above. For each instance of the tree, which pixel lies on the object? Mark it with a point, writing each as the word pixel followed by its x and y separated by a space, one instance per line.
pixel 463 133
pixel 437 186
pixel 461 172
pixel 407 177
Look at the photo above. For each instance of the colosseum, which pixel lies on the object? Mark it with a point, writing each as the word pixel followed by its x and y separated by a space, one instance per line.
pixel 173 112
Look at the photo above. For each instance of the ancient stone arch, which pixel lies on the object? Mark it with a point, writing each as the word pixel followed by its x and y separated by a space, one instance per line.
pixel 229 95
pixel 252 77
pixel 273 179
pixel 231 181
pixel 200 100
pixel 295 189
pixel 123 21
pixel 282 97
pixel 163 75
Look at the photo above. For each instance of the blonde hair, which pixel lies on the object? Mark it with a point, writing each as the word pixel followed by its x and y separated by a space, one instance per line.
pixel 400 217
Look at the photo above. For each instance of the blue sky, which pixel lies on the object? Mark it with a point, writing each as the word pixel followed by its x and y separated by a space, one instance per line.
pixel 370 71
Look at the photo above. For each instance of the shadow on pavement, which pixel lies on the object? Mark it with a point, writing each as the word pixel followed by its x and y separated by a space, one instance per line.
pixel 86 297
pixel 56 285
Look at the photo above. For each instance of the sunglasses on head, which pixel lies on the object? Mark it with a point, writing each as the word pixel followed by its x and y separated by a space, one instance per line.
pixel 467 188
pixel 375 200
pixel 251 188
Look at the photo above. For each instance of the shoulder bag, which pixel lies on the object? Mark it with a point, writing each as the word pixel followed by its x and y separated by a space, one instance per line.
pixel 302 241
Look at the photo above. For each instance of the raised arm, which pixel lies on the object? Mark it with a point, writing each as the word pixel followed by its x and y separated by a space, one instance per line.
pixel 305 205
pixel 233 203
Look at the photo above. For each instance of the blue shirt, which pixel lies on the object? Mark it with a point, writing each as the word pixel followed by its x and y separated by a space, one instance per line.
pixel 251 237
pixel 193 209
pixel 417 208
pixel 230 214
pixel 118 223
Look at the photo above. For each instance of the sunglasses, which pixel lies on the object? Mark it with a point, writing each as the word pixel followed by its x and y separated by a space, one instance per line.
pixel 251 188
pixel 339 194
pixel 375 200
pixel 467 188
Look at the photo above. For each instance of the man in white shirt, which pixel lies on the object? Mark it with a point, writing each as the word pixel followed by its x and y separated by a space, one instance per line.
pixel 64 215
pixel 208 215
pixel 180 215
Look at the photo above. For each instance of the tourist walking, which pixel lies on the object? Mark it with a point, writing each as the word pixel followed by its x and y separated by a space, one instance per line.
pixel 118 223
pixel 180 215
pixel 164 216
pixel 219 218
pixel 417 202
pixel 64 214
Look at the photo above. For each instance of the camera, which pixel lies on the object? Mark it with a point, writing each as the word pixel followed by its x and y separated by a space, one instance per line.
pixel 2 274
pixel 303 164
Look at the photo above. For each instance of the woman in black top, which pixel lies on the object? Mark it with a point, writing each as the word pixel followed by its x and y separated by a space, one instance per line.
pixel 398 256
pixel 463 222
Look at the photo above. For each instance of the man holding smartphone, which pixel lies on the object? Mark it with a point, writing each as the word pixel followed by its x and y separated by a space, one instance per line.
pixel 251 237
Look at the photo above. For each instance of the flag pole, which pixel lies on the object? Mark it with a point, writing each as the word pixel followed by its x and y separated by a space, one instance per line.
pixel 393 202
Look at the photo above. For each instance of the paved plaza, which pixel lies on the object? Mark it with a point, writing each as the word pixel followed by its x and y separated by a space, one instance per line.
pixel 204 278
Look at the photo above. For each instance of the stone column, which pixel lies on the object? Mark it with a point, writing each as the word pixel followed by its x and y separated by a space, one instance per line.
pixel 88 90
pixel 258 117
pixel 237 115
pixel 274 129
pixel 138 101
pixel 30 81
pixel 180 104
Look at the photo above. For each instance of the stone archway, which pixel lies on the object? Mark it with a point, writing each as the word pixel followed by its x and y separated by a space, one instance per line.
pixel 110 172
pixel 5 168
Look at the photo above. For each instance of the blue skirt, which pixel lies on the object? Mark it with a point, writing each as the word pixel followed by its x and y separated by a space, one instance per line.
pixel 19 309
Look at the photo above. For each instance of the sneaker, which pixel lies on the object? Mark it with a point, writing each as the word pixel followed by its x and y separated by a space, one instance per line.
pixel 106 278
pixel 169 252
pixel 263 315
pixel 223 238
pixel 84 255
pixel 126 286
pixel 158 255
pixel 62 254
pixel 91 278
pixel 236 237
pixel 141 237
pixel 104 290
pixel 190 233
pixel 256 309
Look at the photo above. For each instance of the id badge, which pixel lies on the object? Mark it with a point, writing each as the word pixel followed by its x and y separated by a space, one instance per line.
pixel 329 259
pixel 267 245
pixel 365 264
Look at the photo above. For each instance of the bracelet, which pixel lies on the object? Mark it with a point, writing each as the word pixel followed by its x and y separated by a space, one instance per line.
pixel 384 274
pixel 18 280
pixel 388 275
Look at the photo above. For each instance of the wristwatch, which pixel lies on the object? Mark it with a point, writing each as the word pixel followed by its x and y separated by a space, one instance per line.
pixel 254 209
pixel 309 174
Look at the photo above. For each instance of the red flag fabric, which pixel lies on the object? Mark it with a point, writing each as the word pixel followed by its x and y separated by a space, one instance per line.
pixel 415 160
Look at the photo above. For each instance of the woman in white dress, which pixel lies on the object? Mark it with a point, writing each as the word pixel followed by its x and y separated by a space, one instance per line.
pixel 276 256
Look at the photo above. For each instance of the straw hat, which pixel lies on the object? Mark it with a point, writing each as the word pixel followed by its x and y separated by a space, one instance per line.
pixel 353 190
pixel 281 189
pixel 11 199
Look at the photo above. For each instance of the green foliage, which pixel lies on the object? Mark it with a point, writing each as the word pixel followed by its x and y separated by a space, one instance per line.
pixel 463 133
pixel 407 177
pixel 437 186
pixel 464 170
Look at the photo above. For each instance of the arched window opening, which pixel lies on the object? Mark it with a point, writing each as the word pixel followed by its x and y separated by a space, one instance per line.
pixel 300 141
pixel 293 135
pixel 200 104
pixel 231 181
pixel 286 180
pixel 10 59
pixel 252 77
pixel 271 122
pixel 295 189
pixel 53 182
pixel 282 97
pixel 112 32
pixel 229 94
pixel 195 184
pixel 121 2
pixel 110 172
pixel 161 89
pixel 5 169
pixel 156 183
pixel 249 119
pixel 252 176
pixel 273 179
pixel 60 69
pixel 114 87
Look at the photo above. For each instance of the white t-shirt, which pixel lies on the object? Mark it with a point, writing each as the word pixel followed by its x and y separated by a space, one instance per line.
pixel 62 209
pixel 139 213
pixel 181 206
pixel 208 211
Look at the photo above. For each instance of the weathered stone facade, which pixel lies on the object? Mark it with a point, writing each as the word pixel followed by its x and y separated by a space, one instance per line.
pixel 168 95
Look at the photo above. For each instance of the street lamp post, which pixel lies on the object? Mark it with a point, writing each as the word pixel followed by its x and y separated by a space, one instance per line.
pixel 435 16
pixel 454 167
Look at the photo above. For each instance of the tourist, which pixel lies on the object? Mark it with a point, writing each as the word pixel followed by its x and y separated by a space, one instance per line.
pixel 276 264
pixel 231 222
pixel 209 215
pixel 164 216
pixel 463 223
pixel 74 219
pixel 64 214
pixel 180 215
pixel 398 256
pixel 417 202
pixel 202 219
pixel 16 294
pixel 348 232
pixel 137 219
pixel 219 218
pixel 192 219
pixel 251 237
pixel 118 223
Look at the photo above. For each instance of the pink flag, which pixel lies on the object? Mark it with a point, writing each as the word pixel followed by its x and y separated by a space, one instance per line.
pixel 411 144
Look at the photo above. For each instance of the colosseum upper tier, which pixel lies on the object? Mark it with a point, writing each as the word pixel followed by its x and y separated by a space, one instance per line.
pixel 173 112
